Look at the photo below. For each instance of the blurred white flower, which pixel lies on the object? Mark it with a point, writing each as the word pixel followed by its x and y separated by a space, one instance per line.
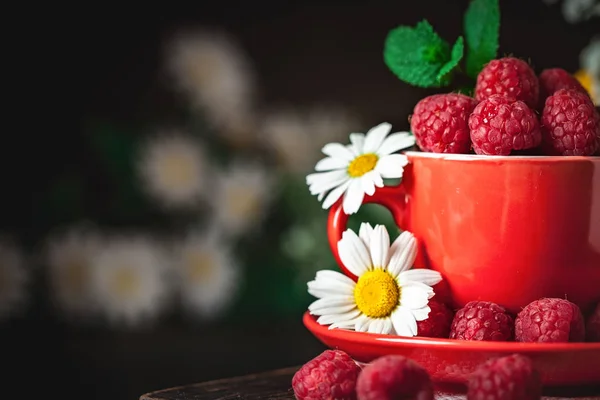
pixel 173 169
pixel 590 57
pixel 68 256
pixel 589 74
pixel 14 279
pixel 208 275
pixel 297 136
pixel 214 72
pixel 241 195
pixel 129 280
pixel 575 11
pixel 305 242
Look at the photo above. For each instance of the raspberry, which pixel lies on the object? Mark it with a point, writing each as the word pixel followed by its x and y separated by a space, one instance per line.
pixel 570 124
pixel 509 77
pixel 394 377
pixel 553 79
pixel 506 378
pixel 438 322
pixel 592 328
pixel 499 126
pixel 330 375
pixel 482 320
pixel 439 123
pixel 550 320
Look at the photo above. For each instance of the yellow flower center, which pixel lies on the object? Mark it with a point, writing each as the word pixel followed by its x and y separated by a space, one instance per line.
pixel 242 202
pixel 178 171
pixel 75 276
pixel 376 293
pixel 200 266
pixel 201 69
pixel 362 164
pixel 126 283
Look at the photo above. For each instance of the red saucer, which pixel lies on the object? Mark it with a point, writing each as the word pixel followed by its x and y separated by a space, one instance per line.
pixel 450 361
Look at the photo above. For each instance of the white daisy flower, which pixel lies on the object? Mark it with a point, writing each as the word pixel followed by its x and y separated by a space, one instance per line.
pixel 68 257
pixel 208 273
pixel 241 195
pixel 214 72
pixel 14 279
pixel 387 298
pixel 296 136
pixel 173 169
pixel 356 169
pixel 128 280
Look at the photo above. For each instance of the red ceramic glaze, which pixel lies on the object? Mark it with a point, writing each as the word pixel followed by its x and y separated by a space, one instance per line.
pixel 451 361
pixel 504 229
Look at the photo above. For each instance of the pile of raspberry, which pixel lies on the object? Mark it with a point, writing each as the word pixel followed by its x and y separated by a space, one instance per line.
pixel 546 320
pixel 334 375
pixel 513 112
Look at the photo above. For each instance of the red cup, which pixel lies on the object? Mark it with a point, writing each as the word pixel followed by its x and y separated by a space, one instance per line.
pixel 506 229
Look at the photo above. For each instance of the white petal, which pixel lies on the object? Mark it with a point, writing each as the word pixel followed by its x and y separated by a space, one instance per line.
pixel 332 301
pixel 425 288
pixel 426 276
pixel 347 320
pixel 404 252
pixel 404 322
pixel 368 186
pixel 362 323
pixel 330 287
pixel 379 246
pixel 353 198
pixel 365 232
pixel 335 275
pixel 375 177
pixel 413 297
pixel 329 163
pixel 337 150
pixel 353 253
pixel 396 141
pixel 335 194
pixel 322 292
pixel 329 319
pixel 421 314
pixel 326 289
pixel 400 241
pixel 358 142
pixel 376 326
pixel 388 327
pixel 391 166
pixel 323 181
pixel 337 310
pixel 325 285
pixel 375 137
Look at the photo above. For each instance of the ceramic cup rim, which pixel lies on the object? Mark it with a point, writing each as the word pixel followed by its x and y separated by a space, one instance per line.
pixel 507 159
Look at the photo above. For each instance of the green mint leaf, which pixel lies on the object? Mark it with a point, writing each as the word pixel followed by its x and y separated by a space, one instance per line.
pixel 482 31
pixel 417 54
pixel 445 75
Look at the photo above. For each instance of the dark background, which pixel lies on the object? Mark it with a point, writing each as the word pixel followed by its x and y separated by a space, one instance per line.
pixel 104 63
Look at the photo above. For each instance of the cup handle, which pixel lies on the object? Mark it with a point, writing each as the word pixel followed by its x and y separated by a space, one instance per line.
pixel 391 197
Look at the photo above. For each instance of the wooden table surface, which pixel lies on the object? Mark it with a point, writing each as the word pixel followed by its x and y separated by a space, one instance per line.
pixel 277 385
